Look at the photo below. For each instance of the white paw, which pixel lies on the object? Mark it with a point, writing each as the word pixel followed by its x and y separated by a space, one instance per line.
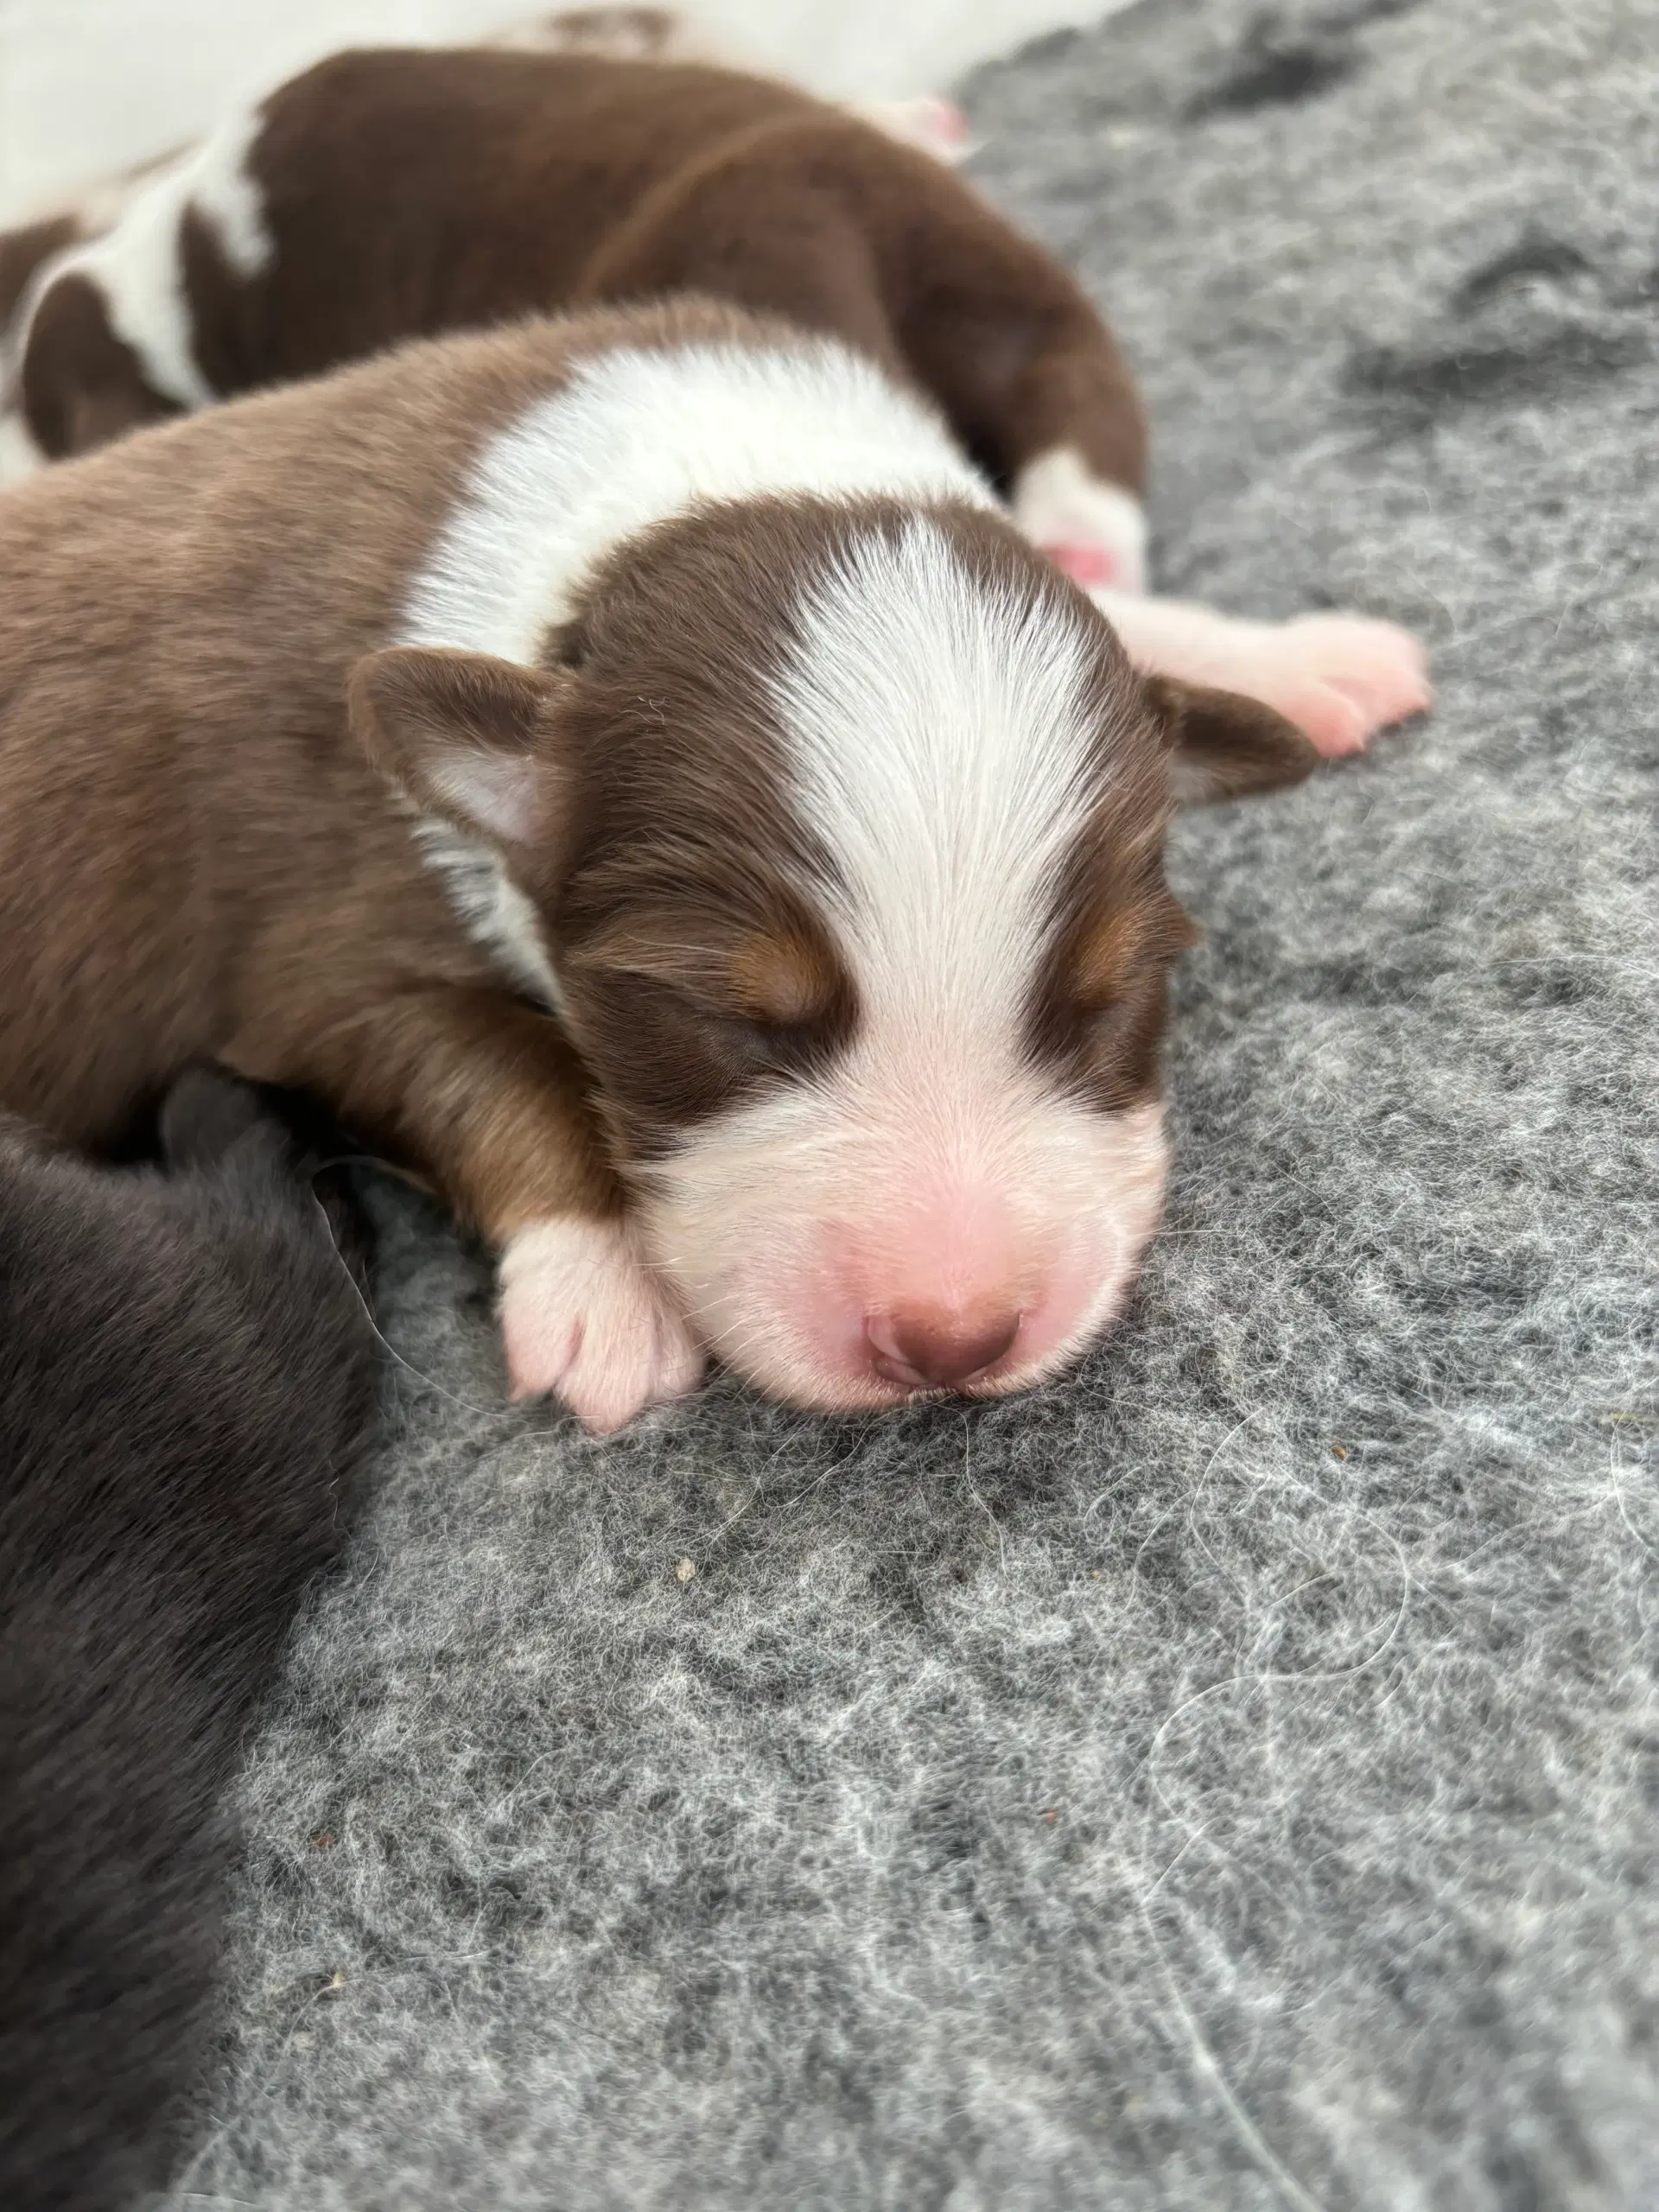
pixel 1342 677
pixel 19 457
pixel 583 1316
pixel 1339 677
pixel 1095 530
pixel 938 127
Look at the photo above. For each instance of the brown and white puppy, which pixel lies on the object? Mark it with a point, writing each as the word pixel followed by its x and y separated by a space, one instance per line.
pixel 103 392
pixel 736 880
pixel 386 195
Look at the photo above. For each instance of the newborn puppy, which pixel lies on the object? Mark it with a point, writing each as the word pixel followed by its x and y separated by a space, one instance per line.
pixel 632 771
pixel 186 1384
pixel 385 195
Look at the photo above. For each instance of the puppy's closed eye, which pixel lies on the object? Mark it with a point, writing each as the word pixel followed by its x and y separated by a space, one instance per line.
pixel 781 1048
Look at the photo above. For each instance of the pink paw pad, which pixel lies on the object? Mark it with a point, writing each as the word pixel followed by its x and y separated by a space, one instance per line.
pixel 1095 567
pixel 1345 677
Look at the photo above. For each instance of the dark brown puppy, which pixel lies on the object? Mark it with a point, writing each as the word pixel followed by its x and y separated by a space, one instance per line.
pixel 386 195
pixel 186 1386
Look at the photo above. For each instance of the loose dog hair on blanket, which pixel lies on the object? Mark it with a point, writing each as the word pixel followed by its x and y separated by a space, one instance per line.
pixel 187 1388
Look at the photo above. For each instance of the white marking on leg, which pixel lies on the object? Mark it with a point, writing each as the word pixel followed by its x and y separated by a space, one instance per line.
pixel 584 1316
pixel 1095 530
pixel 1339 677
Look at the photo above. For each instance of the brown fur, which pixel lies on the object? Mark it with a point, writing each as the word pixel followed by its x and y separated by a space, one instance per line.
pixel 197 855
pixel 81 385
pixel 410 192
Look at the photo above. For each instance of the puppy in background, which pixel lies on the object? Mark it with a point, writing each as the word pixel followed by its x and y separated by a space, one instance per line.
pixel 186 1392
pixel 75 221
pixel 392 194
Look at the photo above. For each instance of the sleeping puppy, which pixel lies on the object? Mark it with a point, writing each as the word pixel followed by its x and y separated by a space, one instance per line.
pixel 385 195
pixel 187 1385
pixel 632 771
pixel 96 374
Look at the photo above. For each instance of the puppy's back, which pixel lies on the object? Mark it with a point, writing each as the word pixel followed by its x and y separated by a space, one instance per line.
pixel 187 1387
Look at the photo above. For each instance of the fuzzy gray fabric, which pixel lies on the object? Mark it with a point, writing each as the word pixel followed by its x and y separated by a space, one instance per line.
pixel 1227 1779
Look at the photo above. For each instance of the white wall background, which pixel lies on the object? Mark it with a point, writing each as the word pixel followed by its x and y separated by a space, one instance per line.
pixel 87 85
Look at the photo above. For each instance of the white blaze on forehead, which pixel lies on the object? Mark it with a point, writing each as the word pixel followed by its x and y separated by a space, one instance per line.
pixel 940 746
pixel 137 266
pixel 642 433
pixel 636 435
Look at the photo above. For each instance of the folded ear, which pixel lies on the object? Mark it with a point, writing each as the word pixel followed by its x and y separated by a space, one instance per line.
pixel 1222 744
pixel 465 735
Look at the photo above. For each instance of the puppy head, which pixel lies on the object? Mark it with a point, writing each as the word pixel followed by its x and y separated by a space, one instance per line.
pixel 843 823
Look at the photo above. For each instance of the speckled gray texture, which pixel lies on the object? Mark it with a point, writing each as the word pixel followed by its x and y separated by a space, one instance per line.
pixel 1229 1779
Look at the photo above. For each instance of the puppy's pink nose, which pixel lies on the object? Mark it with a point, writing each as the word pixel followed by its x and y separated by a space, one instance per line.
pixel 936 1349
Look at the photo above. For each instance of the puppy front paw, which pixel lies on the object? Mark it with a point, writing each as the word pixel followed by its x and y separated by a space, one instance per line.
pixel 1339 677
pixel 584 1316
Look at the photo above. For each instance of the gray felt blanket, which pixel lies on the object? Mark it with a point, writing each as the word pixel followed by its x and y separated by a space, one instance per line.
pixel 1229 1778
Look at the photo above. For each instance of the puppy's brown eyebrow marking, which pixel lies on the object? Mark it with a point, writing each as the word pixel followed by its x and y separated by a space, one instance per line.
pixel 782 976
pixel 1115 938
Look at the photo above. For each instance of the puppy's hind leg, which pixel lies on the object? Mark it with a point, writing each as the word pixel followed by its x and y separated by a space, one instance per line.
pixel 1339 677
pixel 1032 382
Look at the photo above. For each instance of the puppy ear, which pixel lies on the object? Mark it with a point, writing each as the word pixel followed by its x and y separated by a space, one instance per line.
pixel 1222 744
pixel 465 735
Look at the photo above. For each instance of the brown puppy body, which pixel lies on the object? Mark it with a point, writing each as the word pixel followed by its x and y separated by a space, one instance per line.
pixel 194 857
pixel 385 195
pixel 630 771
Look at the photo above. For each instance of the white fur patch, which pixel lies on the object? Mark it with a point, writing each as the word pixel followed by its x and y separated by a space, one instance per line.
pixel 940 747
pixel 583 1316
pixel 1339 677
pixel 639 435
pixel 1059 502
pixel 19 456
pixel 491 907
pixel 223 194
pixel 136 266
